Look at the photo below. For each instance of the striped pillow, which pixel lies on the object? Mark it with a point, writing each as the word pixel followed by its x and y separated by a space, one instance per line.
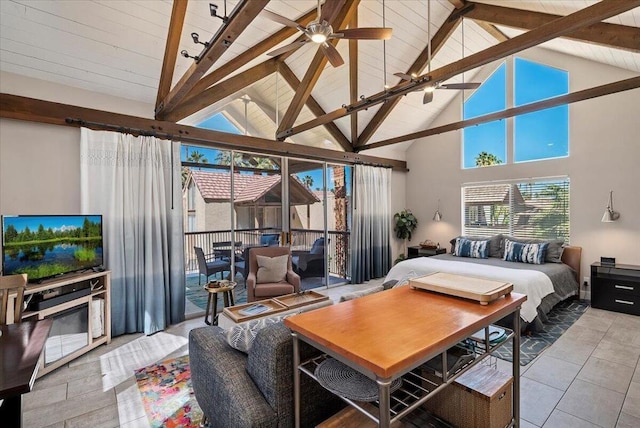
pixel 525 253
pixel 468 248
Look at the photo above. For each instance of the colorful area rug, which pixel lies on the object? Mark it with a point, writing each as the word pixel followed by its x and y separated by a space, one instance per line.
pixel 561 317
pixel 167 395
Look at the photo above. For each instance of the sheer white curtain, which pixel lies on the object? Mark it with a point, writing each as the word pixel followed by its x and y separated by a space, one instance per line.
pixel 370 241
pixel 134 182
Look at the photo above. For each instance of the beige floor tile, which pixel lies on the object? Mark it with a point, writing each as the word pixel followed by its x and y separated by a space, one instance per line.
pixel 527 424
pixel 559 419
pixel 43 397
pixel 594 322
pixel 82 386
pixel 56 425
pixel 68 409
pixel 138 423
pixel 625 354
pixel 584 334
pixel 65 374
pixel 553 372
pixel 106 417
pixel 636 374
pixel 613 376
pixel 537 400
pixel 601 313
pixel 627 421
pixel 623 335
pixel 570 350
pixel 632 400
pixel 592 403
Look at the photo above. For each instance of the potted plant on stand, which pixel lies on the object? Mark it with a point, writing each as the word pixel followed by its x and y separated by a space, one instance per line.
pixel 406 223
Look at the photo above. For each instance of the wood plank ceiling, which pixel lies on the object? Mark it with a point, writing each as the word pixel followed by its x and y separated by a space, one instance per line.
pixel 122 48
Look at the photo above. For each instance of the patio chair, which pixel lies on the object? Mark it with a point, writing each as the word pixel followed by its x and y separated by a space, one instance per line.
pixel 270 239
pixel 310 263
pixel 209 264
pixel 259 291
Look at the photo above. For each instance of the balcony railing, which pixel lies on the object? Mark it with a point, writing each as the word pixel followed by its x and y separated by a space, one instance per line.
pixel 337 249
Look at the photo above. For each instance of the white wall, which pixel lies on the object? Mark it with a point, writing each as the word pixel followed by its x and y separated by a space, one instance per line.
pixel 604 154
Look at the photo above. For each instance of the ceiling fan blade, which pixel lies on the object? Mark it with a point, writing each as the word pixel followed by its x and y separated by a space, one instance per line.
pixel 280 19
pixel 365 33
pixel 404 76
pixel 428 97
pixel 470 85
pixel 287 48
pixel 332 54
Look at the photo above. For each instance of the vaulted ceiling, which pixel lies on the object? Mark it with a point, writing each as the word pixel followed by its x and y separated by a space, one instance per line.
pixel 130 49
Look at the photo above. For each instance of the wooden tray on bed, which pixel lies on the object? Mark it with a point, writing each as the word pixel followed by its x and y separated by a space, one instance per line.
pixel 469 287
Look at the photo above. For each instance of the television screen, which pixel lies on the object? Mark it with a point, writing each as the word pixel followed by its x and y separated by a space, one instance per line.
pixel 43 246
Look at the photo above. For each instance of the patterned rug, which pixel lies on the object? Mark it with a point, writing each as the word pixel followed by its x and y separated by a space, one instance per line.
pixel 561 317
pixel 166 392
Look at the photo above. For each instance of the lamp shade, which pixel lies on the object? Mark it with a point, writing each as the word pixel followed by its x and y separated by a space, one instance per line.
pixel 437 216
pixel 610 215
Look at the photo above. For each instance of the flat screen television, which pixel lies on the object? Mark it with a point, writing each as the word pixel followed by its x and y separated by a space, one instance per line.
pixel 45 246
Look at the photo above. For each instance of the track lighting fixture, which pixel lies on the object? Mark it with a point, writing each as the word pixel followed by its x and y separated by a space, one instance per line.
pixel 213 10
pixel 196 39
pixel 185 54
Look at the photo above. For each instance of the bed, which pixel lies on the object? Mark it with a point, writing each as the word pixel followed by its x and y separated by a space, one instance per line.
pixel 544 284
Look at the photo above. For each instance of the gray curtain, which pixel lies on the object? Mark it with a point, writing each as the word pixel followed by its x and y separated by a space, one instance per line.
pixel 134 182
pixel 370 242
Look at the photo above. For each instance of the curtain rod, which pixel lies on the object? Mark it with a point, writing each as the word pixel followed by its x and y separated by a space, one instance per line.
pixel 180 137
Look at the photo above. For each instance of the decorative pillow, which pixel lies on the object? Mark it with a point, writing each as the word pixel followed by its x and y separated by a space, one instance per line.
pixel 525 253
pixel 468 248
pixel 317 247
pixel 554 250
pixel 356 294
pixel 495 243
pixel 241 336
pixel 272 269
pixel 405 279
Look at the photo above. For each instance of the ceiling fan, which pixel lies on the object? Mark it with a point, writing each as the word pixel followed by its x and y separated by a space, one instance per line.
pixel 320 32
pixel 428 90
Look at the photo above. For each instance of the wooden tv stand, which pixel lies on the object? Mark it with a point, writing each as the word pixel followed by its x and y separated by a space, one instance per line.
pixel 101 289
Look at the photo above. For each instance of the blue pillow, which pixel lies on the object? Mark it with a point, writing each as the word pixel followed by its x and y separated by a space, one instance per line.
pixel 270 239
pixel 525 253
pixel 470 248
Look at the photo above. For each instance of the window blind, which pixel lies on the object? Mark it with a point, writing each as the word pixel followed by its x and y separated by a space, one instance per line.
pixel 535 209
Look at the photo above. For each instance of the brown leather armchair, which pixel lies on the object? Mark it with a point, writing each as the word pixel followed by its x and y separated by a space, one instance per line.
pixel 259 291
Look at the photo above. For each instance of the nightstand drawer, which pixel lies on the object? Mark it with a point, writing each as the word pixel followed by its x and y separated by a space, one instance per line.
pixel 616 301
pixel 609 285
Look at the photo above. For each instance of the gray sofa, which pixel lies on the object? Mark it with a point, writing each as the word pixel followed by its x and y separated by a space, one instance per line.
pixel 255 390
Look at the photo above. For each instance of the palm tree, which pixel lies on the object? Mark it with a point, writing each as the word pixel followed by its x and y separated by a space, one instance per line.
pixel 307 181
pixel 195 157
pixel 486 159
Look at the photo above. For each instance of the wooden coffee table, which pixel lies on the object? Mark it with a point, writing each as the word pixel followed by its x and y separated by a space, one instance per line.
pixel 389 334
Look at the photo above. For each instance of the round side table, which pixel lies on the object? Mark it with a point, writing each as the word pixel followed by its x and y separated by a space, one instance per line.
pixel 215 287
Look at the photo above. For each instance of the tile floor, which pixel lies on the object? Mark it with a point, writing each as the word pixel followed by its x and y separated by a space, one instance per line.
pixel 589 378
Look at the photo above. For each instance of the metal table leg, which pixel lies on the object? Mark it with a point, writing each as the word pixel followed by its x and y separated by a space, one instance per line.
pixel 516 368
pixel 296 379
pixel 385 403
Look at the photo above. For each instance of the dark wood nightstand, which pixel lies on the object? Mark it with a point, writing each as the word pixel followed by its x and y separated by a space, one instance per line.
pixel 616 287
pixel 418 251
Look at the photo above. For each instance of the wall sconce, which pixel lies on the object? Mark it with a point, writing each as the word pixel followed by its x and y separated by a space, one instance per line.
pixel 610 215
pixel 437 216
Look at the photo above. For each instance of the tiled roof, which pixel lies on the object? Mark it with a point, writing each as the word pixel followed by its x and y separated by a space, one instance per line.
pixel 216 186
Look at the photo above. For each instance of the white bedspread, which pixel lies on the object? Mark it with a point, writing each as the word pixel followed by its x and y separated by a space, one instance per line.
pixel 534 284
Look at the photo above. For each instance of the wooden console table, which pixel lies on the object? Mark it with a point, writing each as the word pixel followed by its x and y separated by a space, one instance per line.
pixel 388 335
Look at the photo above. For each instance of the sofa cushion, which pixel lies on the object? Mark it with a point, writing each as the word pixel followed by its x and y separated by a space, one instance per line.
pixel 273 289
pixel 271 269
pixel 360 293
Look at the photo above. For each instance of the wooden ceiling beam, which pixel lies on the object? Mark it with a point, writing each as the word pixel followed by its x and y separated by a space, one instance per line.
pixel 492 30
pixel 315 108
pixel 437 41
pixel 598 91
pixel 34 110
pixel 223 89
pixel 250 54
pixel 178 12
pixel 315 69
pixel 243 14
pixel 353 79
pixel 600 33
pixel 557 28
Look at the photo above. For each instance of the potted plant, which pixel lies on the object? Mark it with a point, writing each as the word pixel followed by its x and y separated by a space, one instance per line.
pixel 406 223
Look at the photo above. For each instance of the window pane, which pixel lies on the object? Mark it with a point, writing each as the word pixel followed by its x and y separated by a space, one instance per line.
pixel 542 134
pixel 541 210
pixel 485 144
pixel 486 209
pixel 536 82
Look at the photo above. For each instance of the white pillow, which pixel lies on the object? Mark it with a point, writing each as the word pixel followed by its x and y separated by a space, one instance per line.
pixel 272 269
pixel 241 336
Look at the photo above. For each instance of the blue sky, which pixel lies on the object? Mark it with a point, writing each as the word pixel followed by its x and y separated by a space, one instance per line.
pixel 53 222
pixel 538 135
